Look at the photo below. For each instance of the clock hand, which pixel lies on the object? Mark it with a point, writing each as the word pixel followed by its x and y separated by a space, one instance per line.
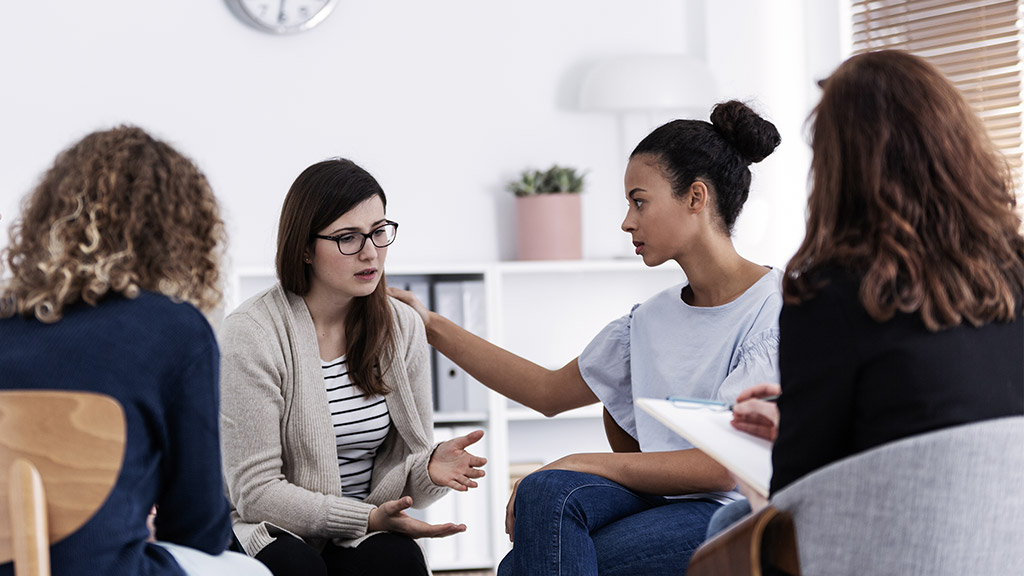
pixel 280 13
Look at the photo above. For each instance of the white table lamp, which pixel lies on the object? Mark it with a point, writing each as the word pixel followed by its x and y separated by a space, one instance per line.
pixel 645 83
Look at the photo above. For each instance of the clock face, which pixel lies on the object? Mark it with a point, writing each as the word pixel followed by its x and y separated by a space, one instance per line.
pixel 282 16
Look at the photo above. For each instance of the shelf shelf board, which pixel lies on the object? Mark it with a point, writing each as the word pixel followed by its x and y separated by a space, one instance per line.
pixel 527 415
pixel 460 418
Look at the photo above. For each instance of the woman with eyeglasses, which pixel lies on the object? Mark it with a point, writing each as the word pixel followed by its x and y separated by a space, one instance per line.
pixel 644 508
pixel 327 415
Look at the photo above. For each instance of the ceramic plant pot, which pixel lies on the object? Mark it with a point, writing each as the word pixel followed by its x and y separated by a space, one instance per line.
pixel 548 227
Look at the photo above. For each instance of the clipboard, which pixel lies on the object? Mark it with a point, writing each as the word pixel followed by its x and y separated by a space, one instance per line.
pixel 708 428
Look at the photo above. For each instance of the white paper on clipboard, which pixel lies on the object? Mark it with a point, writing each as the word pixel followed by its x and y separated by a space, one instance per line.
pixel 748 457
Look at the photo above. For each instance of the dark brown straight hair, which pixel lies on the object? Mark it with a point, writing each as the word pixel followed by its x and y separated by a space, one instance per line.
pixel 908 191
pixel 320 195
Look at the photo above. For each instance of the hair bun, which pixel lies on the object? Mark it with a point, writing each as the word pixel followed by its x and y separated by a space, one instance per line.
pixel 749 134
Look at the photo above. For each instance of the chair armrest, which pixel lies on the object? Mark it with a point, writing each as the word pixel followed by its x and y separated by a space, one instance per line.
pixel 762 539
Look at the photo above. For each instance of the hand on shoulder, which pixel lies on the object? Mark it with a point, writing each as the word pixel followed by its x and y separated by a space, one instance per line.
pixel 410 299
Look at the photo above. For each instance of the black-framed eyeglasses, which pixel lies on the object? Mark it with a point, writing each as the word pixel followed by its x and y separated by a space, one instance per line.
pixel 352 243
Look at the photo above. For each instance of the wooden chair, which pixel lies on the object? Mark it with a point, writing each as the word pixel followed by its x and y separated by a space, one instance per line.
pixel 760 544
pixel 60 456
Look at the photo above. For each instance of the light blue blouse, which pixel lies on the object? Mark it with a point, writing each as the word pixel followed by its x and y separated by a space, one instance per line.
pixel 666 347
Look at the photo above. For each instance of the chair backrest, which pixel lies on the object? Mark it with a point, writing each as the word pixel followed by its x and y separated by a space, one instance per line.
pixel 60 456
pixel 946 502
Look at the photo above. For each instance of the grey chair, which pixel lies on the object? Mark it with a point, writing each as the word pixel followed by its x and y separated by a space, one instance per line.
pixel 949 502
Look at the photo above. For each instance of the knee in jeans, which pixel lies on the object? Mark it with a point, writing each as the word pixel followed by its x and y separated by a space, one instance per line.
pixel 543 486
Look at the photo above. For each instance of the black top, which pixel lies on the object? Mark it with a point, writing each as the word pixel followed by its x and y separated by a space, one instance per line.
pixel 850 383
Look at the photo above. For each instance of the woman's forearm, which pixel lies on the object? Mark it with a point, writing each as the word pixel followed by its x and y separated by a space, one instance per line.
pixel 546 391
pixel 661 473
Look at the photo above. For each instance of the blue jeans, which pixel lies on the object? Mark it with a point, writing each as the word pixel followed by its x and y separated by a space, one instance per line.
pixel 571 523
pixel 726 516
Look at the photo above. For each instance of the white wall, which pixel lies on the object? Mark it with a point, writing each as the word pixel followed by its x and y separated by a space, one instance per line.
pixel 442 101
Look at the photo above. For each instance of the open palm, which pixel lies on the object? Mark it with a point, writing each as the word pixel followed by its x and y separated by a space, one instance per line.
pixel 452 466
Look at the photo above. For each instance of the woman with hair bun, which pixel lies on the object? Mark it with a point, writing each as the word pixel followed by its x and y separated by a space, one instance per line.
pixel 645 507
pixel 114 262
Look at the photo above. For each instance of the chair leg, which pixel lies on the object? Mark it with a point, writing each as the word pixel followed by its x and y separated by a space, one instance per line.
pixel 28 520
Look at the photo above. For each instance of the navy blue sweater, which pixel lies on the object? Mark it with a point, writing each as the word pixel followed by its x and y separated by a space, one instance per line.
pixel 160 360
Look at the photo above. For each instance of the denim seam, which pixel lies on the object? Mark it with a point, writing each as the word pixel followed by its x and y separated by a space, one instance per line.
pixel 561 514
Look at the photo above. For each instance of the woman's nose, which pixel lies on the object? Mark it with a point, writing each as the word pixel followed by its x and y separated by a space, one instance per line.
pixel 627 223
pixel 369 251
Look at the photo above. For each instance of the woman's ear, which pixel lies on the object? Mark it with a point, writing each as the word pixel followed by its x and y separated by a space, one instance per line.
pixel 698 196
pixel 308 252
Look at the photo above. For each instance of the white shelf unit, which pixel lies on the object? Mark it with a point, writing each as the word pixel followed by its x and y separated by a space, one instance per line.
pixel 546 312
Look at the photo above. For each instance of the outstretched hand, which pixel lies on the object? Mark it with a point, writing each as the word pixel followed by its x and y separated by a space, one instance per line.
pixel 391 517
pixel 452 466
pixel 755 416
pixel 411 299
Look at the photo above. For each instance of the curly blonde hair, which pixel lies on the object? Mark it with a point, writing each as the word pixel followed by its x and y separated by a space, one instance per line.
pixel 118 212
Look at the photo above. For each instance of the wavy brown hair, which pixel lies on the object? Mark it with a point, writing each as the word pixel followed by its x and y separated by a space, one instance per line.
pixel 908 191
pixel 118 212
pixel 321 194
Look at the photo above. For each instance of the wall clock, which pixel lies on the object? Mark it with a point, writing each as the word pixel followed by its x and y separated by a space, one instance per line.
pixel 282 16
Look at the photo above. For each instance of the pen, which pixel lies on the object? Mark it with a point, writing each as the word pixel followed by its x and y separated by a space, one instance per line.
pixel 772 398
pixel 716 405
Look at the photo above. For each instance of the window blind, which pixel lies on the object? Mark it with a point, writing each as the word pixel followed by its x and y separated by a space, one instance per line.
pixel 976 43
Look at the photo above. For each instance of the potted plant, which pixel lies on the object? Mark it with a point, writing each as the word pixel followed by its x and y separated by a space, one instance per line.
pixel 548 221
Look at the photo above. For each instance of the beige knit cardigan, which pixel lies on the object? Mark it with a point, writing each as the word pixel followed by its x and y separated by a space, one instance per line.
pixel 280 456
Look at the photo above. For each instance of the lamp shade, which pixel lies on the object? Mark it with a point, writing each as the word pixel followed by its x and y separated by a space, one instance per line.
pixel 648 82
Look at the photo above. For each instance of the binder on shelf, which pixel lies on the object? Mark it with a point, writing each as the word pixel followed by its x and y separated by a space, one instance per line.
pixel 450 379
pixel 418 285
pixel 463 301
pixel 421 288
pixel 474 319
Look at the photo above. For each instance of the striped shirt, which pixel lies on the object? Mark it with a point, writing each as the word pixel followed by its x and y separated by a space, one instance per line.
pixel 360 425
